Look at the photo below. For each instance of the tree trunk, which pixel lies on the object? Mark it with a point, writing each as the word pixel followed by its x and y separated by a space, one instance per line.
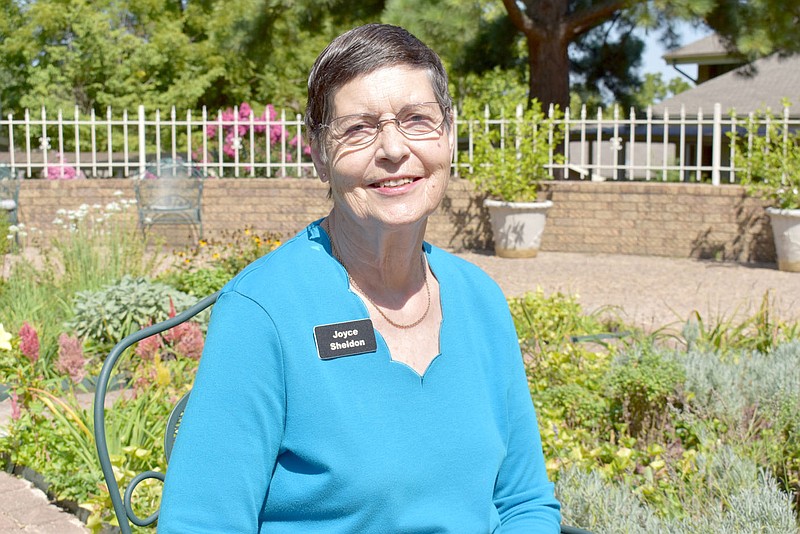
pixel 548 61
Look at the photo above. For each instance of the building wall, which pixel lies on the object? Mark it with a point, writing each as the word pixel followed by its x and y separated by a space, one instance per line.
pixel 661 219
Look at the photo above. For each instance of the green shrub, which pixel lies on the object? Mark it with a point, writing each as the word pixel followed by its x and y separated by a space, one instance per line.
pixel 725 386
pixel 207 266
pixel 579 406
pixel 108 315
pixel 642 386
pixel 727 494
pixel 510 163
pixel 200 282
pixel 590 502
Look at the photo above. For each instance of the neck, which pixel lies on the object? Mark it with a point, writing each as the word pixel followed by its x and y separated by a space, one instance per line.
pixel 382 261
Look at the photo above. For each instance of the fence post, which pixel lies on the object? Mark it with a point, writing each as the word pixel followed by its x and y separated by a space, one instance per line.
pixel 716 143
pixel 142 148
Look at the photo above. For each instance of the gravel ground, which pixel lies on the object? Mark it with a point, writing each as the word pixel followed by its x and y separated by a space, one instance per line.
pixel 650 291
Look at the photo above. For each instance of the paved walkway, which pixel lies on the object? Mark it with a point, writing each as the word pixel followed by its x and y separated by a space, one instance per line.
pixel 24 508
pixel 651 292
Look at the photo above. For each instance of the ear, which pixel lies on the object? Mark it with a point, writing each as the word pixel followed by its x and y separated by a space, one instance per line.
pixel 322 169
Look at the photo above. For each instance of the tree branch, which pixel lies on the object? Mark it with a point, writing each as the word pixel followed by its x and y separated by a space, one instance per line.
pixel 521 20
pixel 584 20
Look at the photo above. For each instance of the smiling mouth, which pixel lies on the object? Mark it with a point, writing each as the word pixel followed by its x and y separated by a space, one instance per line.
pixel 394 183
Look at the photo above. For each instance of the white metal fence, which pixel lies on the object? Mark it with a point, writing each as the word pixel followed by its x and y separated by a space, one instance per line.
pixel 609 146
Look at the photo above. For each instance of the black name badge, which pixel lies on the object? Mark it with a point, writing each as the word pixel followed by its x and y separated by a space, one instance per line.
pixel 345 339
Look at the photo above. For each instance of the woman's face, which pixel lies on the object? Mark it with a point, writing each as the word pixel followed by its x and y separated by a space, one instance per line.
pixel 393 180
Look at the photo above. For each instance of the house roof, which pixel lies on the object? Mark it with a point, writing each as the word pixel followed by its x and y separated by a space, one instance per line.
pixel 775 79
pixel 707 51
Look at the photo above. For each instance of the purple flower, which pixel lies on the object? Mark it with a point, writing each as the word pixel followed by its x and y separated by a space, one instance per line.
pixel 29 342
pixel 70 357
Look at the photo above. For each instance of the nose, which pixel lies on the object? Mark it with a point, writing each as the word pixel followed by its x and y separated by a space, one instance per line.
pixel 392 143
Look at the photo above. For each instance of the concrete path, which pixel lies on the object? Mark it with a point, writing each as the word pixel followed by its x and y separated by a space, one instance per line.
pixel 649 291
pixel 24 508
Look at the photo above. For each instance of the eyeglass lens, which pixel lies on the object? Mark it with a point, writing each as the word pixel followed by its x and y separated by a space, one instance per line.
pixel 412 120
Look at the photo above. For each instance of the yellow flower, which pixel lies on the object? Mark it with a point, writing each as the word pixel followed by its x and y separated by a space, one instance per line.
pixel 163 376
pixel 5 338
pixel 202 242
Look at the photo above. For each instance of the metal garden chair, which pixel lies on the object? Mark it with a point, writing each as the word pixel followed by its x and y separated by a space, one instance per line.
pixel 170 192
pixel 122 502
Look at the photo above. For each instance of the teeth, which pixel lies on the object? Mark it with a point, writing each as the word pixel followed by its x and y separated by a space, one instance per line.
pixel 395 183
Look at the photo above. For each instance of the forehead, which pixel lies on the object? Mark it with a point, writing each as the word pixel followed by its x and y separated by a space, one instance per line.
pixel 386 90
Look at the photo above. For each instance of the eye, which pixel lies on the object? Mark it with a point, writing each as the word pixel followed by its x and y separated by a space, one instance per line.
pixel 416 117
pixel 356 127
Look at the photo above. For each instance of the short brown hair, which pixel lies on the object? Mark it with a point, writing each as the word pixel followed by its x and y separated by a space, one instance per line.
pixel 361 51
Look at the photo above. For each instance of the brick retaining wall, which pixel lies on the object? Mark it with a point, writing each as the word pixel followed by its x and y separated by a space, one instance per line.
pixel 678 220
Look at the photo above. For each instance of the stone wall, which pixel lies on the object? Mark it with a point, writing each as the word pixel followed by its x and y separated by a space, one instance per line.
pixel 661 219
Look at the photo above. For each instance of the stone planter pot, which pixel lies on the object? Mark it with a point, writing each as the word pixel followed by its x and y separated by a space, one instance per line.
pixel 517 227
pixel 786 232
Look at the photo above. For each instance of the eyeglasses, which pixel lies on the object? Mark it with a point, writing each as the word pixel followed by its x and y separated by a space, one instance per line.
pixel 414 120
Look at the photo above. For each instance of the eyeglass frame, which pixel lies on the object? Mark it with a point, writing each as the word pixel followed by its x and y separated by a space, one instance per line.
pixel 380 124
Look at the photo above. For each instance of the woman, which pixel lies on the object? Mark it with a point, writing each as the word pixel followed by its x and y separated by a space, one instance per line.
pixel 358 379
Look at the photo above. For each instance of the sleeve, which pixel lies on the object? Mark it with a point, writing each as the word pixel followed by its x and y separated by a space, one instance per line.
pixel 523 495
pixel 230 434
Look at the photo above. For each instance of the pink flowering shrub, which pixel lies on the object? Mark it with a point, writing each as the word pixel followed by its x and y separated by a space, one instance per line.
pixel 70 357
pixel 16 413
pixel 185 339
pixel 266 127
pixel 189 340
pixel 29 342
pixel 62 171
pixel 149 346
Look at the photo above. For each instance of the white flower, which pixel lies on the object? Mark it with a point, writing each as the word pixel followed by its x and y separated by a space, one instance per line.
pixel 61 212
pixel 118 193
pixel 13 228
pixel 83 207
pixel 58 221
pixel 5 338
pixel 96 206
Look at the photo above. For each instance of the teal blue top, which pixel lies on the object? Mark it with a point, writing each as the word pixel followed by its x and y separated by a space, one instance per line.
pixel 277 439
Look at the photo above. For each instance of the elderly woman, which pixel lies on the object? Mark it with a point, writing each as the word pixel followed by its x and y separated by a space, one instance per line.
pixel 358 379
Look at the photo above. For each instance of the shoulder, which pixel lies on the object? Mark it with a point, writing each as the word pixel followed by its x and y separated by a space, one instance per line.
pixel 287 270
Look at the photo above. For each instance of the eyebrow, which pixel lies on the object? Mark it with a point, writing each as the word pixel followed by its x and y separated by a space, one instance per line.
pixel 376 115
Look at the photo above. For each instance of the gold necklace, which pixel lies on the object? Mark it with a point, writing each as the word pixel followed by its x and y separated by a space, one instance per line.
pixel 353 282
